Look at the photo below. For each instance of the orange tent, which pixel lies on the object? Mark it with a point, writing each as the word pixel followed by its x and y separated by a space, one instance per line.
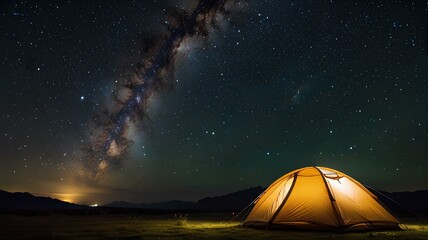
pixel 319 198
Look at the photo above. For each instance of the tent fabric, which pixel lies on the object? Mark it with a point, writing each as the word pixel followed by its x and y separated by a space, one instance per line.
pixel 319 198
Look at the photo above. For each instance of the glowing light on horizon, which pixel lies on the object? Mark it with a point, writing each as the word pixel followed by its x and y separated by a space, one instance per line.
pixel 65 197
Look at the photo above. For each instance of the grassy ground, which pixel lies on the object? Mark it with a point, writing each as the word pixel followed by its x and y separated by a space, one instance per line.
pixel 197 226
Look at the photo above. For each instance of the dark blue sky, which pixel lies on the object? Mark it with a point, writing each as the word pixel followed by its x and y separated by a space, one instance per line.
pixel 280 85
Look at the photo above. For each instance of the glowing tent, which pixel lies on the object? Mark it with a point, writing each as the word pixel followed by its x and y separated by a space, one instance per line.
pixel 319 198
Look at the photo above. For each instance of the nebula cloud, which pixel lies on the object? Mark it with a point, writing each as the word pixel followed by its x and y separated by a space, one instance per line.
pixel 109 140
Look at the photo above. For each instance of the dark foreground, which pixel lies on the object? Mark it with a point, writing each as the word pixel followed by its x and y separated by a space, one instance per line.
pixel 169 226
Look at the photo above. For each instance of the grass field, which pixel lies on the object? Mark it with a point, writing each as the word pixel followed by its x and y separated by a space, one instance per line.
pixel 168 226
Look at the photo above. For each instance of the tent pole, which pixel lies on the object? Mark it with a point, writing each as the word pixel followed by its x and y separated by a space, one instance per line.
pixel 332 200
pixel 283 201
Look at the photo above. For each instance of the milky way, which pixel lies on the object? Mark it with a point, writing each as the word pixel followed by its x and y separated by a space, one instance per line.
pixel 150 75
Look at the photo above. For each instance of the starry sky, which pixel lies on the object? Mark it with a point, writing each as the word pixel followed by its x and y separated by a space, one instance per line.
pixel 270 87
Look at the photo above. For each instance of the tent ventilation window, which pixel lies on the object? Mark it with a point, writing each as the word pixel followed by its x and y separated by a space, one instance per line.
pixel 331 175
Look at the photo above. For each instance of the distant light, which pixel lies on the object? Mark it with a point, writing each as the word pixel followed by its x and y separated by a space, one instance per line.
pixel 82 98
pixel 38 69
pixel 94 205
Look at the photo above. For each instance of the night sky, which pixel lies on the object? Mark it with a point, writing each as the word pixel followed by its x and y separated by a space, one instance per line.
pixel 263 88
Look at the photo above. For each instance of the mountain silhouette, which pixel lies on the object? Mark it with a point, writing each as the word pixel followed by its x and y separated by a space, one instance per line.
pixel 405 203
pixel 230 202
pixel 235 201
pixel 27 201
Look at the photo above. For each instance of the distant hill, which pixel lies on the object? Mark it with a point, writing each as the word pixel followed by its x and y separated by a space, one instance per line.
pixel 405 203
pixel 168 205
pixel 26 201
pixel 230 202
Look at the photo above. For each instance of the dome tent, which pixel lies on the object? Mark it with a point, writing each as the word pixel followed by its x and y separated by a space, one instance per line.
pixel 319 198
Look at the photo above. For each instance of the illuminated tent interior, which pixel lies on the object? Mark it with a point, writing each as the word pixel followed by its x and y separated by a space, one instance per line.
pixel 319 198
